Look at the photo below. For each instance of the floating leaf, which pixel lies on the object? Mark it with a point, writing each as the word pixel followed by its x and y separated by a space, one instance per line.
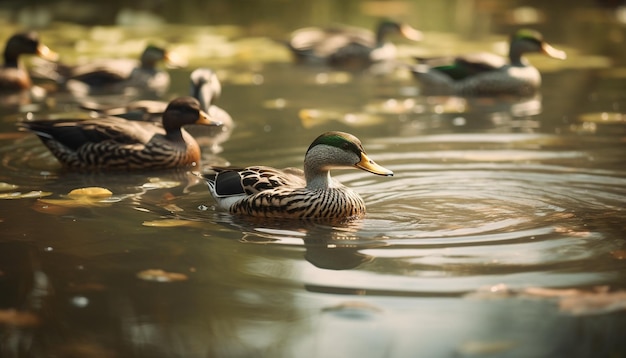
pixel 482 348
pixel 171 223
pixel 90 192
pixel 277 103
pixel 313 117
pixel 7 186
pixel 20 195
pixel 18 318
pixel 161 276
pixel 82 197
pixel 157 183
pixel 583 302
pixel 603 118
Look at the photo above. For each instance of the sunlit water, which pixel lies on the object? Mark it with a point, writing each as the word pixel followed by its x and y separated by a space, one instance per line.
pixel 497 213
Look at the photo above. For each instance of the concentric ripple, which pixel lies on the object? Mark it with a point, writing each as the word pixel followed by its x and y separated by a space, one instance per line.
pixel 454 220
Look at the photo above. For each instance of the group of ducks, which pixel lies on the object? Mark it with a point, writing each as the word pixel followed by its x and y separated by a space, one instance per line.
pixel 112 141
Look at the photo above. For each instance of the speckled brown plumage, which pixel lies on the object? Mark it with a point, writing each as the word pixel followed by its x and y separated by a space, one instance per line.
pixel 113 143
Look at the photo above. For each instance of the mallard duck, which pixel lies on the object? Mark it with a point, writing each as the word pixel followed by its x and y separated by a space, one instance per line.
pixel 112 76
pixel 261 191
pixel 486 73
pixel 13 76
pixel 205 86
pixel 113 143
pixel 349 47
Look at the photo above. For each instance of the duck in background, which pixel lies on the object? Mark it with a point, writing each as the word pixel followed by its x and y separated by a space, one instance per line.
pixel 205 86
pixel 117 76
pixel 16 86
pixel 114 143
pixel 292 193
pixel 486 74
pixel 348 47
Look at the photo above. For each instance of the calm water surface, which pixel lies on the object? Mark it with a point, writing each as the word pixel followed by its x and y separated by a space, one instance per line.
pixel 501 233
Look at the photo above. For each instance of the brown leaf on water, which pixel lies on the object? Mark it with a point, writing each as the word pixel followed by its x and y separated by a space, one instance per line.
pixel 482 348
pixel 619 254
pixel 161 276
pixel 18 318
pixel 171 223
pixel 594 303
pixel 583 302
pixel 47 208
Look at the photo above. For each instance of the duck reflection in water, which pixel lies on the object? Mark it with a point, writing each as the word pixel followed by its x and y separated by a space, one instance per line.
pixel 327 245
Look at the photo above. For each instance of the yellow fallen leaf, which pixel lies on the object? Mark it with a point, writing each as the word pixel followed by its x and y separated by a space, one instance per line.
pixel 91 192
pixel 82 197
pixel 157 183
pixel 6 186
pixel 161 276
pixel 170 223
pixel 74 203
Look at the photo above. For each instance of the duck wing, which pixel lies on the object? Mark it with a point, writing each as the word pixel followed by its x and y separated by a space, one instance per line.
pixel 460 67
pixel 74 133
pixel 104 72
pixel 228 181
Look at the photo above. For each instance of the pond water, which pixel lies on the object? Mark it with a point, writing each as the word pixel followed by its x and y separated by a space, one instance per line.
pixel 500 234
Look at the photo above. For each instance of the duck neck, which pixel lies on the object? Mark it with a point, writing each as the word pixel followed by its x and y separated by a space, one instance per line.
pixel 10 60
pixel 319 179
pixel 316 173
pixel 173 132
pixel 381 36
pixel 516 55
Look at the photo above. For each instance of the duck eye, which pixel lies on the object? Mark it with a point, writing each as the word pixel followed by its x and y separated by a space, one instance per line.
pixel 345 146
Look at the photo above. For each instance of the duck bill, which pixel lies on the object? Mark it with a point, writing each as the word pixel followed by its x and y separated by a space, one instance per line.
pixel 174 60
pixel 411 33
pixel 370 166
pixel 206 120
pixel 44 52
pixel 552 52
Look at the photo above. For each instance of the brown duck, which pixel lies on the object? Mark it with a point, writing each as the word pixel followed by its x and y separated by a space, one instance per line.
pixel 13 75
pixel 114 143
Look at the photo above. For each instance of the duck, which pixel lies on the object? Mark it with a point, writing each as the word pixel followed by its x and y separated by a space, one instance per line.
pixel 13 75
pixel 487 74
pixel 348 47
pixel 205 86
pixel 115 76
pixel 293 193
pixel 115 143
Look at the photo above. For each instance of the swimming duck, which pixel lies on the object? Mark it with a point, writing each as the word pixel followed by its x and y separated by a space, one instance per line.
pixel 114 143
pixel 291 193
pixel 348 47
pixel 112 76
pixel 13 76
pixel 205 86
pixel 485 73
